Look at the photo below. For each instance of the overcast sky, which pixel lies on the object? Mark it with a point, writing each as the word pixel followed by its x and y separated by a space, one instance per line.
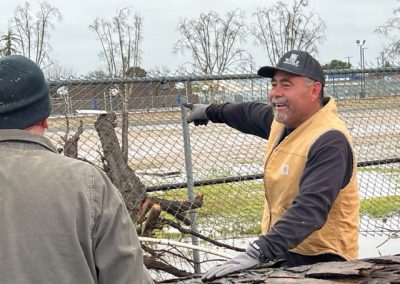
pixel 75 46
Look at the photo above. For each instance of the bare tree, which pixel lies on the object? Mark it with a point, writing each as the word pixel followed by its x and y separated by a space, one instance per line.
pixel 57 71
pixel 160 71
pixel 33 30
pixel 120 40
pixel 213 41
pixel 97 74
pixel 390 30
pixel 285 27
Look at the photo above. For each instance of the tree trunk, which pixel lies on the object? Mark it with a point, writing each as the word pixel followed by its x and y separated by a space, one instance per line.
pixel 123 177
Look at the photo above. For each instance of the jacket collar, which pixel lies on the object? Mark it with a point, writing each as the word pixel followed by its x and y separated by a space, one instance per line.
pixel 15 135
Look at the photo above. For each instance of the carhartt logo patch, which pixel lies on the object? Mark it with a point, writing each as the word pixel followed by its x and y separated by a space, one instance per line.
pixel 285 169
pixel 292 60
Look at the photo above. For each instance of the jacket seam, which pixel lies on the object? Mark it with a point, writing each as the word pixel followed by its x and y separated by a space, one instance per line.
pixel 91 196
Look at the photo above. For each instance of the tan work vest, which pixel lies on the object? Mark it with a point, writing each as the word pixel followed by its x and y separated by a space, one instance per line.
pixel 284 168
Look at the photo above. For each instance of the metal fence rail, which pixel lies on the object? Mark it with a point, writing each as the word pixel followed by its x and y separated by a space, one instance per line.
pixel 226 165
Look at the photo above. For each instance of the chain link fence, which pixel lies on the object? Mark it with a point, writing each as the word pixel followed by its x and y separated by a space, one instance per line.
pixel 208 179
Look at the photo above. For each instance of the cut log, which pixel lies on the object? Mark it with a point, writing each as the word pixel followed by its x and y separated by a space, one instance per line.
pixel 122 176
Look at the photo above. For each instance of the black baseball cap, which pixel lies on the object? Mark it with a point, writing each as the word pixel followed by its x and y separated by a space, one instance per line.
pixel 296 62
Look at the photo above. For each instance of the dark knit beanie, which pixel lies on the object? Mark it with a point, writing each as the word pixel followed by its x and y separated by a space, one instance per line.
pixel 24 93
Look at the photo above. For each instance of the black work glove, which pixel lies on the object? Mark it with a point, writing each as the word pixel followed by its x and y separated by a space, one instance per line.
pixel 197 113
pixel 252 257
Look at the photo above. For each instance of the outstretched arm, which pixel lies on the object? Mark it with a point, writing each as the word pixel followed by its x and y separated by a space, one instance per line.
pixel 250 117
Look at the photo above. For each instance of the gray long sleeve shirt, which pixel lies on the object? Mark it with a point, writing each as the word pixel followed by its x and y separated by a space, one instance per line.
pixel 62 220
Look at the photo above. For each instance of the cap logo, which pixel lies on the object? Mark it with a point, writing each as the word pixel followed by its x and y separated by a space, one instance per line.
pixel 292 60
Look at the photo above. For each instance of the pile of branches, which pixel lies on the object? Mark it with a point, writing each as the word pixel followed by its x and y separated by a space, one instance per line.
pixel 148 212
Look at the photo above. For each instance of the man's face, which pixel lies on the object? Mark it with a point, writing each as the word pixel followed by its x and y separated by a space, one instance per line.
pixel 294 98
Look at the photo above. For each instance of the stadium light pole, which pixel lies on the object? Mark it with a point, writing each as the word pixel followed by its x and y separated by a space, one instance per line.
pixel 362 65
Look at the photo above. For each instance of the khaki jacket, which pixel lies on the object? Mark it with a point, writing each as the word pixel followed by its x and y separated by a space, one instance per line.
pixel 62 220
pixel 283 170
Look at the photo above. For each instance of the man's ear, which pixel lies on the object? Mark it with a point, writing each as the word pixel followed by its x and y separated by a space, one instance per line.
pixel 39 127
pixel 315 91
pixel 44 124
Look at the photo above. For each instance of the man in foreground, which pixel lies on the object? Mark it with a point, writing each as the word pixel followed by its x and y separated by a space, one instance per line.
pixel 310 177
pixel 62 220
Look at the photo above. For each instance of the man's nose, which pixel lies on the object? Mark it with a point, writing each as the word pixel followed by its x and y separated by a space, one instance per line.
pixel 275 92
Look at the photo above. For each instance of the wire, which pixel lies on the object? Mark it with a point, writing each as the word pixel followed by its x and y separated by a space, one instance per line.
pixel 185 245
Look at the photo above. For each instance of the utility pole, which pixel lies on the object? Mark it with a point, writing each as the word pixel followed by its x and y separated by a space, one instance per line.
pixel 382 58
pixel 348 61
pixel 362 66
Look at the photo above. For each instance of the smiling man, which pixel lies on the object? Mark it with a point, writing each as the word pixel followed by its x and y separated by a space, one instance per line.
pixel 311 209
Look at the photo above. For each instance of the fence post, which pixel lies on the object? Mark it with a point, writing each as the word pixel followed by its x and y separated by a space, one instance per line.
pixel 189 176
